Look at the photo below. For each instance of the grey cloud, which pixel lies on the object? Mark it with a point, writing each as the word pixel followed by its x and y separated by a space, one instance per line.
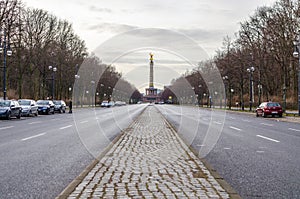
pixel 112 27
pixel 199 34
pixel 97 9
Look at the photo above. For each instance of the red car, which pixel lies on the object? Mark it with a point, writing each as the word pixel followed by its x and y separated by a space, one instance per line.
pixel 269 108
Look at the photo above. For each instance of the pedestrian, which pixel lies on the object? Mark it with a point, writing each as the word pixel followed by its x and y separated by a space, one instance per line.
pixel 70 106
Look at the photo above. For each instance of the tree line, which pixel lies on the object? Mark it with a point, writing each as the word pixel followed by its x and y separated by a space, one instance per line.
pixel 264 41
pixel 38 40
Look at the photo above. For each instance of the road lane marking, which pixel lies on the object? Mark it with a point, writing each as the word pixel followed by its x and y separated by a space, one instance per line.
pixel 294 129
pixel 217 122
pixel 38 135
pixel 232 118
pixel 83 122
pixel 260 151
pixel 246 120
pixel 267 138
pixel 35 122
pixel 226 148
pixel 234 128
pixel 65 127
pixel 266 124
pixel 6 127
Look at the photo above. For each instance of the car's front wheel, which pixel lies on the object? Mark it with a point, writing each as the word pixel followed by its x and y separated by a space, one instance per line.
pixel 8 115
pixel 19 115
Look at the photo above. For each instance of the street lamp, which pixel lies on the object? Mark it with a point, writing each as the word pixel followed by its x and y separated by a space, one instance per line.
pixel 76 90
pixel 259 86
pixel 230 97
pixel 250 70
pixel 5 49
pixel 225 78
pixel 53 69
pixel 296 55
pixel 93 92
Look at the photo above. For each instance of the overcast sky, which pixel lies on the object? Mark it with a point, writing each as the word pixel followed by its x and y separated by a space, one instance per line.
pixel 206 22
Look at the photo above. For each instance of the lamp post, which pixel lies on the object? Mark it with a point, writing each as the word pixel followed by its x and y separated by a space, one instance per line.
pixel 250 70
pixel 5 49
pixel 53 69
pixel 296 55
pixel 93 93
pixel 230 97
pixel 225 78
pixel 76 90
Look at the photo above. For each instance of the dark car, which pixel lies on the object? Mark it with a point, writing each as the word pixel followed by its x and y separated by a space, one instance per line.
pixel 269 108
pixel 45 106
pixel 10 108
pixel 59 106
pixel 29 107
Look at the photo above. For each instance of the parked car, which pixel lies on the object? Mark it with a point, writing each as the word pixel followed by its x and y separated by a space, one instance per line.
pixel 45 106
pixel 269 108
pixel 120 103
pixel 105 103
pixel 59 106
pixel 29 107
pixel 10 108
pixel 111 104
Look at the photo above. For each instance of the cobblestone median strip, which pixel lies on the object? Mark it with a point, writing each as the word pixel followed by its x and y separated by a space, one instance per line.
pixel 149 161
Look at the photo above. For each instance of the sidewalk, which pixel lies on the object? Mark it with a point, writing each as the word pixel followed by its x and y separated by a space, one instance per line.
pixel 149 160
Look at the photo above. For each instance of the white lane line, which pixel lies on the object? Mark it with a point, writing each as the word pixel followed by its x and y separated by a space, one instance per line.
pixel 267 138
pixel 266 124
pixel 65 127
pixel 6 127
pixel 82 122
pixel 35 122
pixel 217 122
pixel 234 128
pixel 246 120
pixel 232 118
pixel 294 129
pixel 226 148
pixel 38 135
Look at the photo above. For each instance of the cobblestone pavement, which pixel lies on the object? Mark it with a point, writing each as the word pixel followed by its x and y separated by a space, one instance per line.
pixel 149 161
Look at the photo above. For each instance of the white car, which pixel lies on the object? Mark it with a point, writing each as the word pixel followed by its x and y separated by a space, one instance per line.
pixel 29 107
pixel 105 103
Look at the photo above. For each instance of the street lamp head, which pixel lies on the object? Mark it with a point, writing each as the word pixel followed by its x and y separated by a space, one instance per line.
pixel 54 69
pixel 9 53
pixel 50 67
pixel 295 43
pixel 77 76
pixel 295 54
pixel 252 68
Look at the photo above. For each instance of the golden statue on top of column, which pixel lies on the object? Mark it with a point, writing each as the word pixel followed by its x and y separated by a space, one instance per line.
pixel 151 57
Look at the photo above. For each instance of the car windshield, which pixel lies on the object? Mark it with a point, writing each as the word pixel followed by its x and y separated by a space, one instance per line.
pixel 4 103
pixel 24 102
pixel 57 102
pixel 273 104
pixel 42 102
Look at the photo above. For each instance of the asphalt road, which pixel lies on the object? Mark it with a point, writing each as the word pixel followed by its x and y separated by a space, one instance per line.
pixel 40 156
pixel 259 157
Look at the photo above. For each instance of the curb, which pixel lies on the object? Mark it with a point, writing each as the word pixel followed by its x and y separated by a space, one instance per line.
pixel 72 186
pixel 227 187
